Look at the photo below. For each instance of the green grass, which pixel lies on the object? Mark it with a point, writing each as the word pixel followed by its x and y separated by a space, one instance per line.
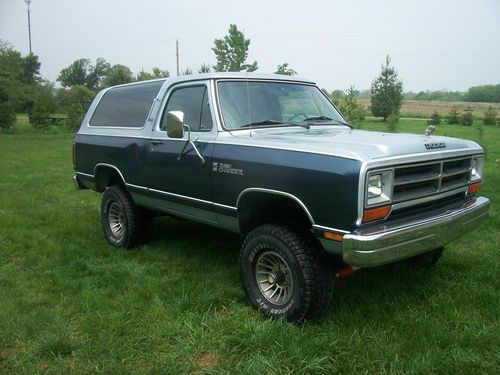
pixel 70 303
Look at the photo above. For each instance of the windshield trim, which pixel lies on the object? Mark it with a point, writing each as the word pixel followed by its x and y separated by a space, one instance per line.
pixel 298 82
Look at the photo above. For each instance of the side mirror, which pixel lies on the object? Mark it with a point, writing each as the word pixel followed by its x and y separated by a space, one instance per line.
pixel 175 124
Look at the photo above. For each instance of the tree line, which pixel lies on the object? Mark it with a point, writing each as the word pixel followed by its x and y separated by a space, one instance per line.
pixel 22 89
pixel 482 93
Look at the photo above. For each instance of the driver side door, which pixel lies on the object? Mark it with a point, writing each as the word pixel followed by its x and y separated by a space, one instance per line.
pixel 179 178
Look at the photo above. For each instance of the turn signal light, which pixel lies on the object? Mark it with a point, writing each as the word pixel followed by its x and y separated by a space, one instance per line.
pixel 333 236
pixel 474 188
pixel 376 213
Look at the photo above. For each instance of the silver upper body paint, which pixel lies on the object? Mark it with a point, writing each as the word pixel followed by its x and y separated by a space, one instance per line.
pixel 346 143
pixel 332 140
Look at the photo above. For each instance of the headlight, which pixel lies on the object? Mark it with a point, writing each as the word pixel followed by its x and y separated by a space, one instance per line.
pixel 476 170
pixel 378 187
pixel 374 186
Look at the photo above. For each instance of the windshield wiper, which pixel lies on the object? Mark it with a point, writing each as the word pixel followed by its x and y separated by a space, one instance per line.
pixel 272 122
pixel 327 119
pixel 261 123
pixel 317 118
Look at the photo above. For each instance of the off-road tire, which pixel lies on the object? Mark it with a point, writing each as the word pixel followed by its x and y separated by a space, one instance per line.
pixel 309 272
pixel 118 210
pixel 426 260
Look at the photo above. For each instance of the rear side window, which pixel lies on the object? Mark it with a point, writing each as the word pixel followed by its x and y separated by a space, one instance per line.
pixel 126 106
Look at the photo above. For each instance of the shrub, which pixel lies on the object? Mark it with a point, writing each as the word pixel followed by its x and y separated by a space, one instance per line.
pixel 350 107
pixel 74 102
pixel 75 114
pixel 43 107
pixel 453 116
pixel 467 119
pixel 435 119
pixel 7 113
pixel 392 123
pixel 490 116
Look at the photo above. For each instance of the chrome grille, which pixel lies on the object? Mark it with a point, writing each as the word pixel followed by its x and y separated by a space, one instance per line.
pixel 423 179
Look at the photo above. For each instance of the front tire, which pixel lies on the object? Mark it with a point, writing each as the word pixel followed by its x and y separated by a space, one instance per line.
pixel 284 274
pixel 120 218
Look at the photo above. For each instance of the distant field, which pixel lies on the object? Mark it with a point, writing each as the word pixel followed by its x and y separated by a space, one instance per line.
pixel 427 107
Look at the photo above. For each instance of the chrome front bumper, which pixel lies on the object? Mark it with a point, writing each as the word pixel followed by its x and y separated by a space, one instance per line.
pixel 374 246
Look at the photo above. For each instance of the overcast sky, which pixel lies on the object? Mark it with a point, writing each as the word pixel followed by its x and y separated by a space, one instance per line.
pixel 434 44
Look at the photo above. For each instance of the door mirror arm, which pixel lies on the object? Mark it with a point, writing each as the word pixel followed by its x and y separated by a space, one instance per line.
pixel 187 129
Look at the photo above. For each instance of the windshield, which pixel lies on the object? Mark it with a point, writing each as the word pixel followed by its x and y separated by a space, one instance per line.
pixel 261 103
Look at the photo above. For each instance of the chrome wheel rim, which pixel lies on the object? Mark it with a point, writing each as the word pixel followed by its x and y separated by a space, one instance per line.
pixel 116 220
pixel 274 278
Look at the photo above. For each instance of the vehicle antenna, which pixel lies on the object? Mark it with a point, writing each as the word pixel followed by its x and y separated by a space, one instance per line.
pixel 248 103
pixel 177 54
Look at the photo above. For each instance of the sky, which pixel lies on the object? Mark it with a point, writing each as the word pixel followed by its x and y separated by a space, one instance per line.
pixel 433 44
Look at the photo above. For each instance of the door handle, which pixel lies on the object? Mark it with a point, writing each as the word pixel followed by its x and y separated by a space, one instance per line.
pixel 153 142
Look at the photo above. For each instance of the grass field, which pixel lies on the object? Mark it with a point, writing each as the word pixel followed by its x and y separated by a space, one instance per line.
pixel 70 303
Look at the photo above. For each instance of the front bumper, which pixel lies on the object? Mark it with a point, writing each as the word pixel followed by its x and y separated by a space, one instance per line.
pixel 374 246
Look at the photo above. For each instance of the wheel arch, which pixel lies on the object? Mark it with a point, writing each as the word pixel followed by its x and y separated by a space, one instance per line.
pixel 258 206
pixel 106 175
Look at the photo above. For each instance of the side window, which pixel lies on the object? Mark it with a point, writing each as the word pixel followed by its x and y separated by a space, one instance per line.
pixel 193 102
pixel 126 106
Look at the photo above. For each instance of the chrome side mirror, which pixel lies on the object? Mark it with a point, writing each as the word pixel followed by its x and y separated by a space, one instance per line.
pixel 175 124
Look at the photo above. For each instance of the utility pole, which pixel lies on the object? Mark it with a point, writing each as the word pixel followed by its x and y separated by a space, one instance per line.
pixel 28 2
pixel 177 54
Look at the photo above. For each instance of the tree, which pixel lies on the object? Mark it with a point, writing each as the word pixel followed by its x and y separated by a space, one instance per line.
pixel 337 94
pixel 82 72
pixel 187 72
pixel 204 68
pixel 285 70
pixel 485 93
pixel 386 92
pixel 143 76
pixel 75 74
pixel 19 77
pixel 231 52
pixel 158 73
pixel 97 73
pixel 31 69
pixel 117 75
pixel 490 116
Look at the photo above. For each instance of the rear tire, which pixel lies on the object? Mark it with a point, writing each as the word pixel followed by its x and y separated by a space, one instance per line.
pixel 284 274
pixel 121 218
pixel 426 260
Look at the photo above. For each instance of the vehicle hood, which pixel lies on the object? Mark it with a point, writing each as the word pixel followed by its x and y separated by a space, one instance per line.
pixel 348 143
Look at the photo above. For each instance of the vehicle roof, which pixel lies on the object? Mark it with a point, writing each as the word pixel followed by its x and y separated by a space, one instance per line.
pixel 224 75
pixel 238 75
